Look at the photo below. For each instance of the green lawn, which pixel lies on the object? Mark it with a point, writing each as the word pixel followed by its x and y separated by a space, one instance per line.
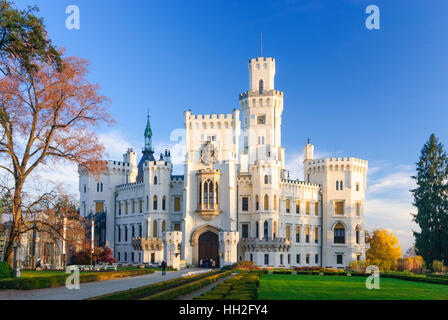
pixel 304 287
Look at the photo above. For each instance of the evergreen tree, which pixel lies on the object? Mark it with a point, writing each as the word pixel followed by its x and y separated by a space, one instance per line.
pixel 431 201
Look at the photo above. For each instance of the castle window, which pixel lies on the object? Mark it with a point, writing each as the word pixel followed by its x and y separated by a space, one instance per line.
pixel 163 225
pixel 339 234
pixel 257 203
pixel 266 179
pixel 155 180
pixel 297 206
pixel 298 258
pixel 245 204
pixel 266 259
pixel 341 185
pixel 163 203
pixel 85 189
pixel 307 207
pixel 140 231
pixel 125 233
pixel 245 231
pixel 126 207
pixel 119 207
pixel 147 203
pixel 357 186
pixel 119 234
pixel 339 259
pixel 298 234
pixel 140 205
pixel 274 229
pixel 339 207
pixel 260 86
pixel 133 231
pixel 307 234
pixel 357 229
pixel 288 205
pixel 316 208
pixel 133 206
pixel 358 208
pixel 266 202
pixel 265 230
pixel 154 203
pixel 316 235
pixel 154 229
pixel 177 227
pixel 176 204
pixel 275 202
pixel 316 258
pixel 337 185
pixel 288 232
pixel 257 229
pixel 307 259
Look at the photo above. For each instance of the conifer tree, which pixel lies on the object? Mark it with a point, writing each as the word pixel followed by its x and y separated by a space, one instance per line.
pixel 431 201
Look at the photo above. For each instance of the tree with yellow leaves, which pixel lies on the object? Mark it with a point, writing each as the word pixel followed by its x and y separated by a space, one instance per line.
pixel 384 249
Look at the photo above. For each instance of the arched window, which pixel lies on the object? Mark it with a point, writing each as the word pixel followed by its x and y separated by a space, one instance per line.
pixel 266 179
pixel 163 203
pixel 337 185
pixel 266 202
pixel 154 229
pixel 339 233
pixel 155 179
pixel 98 187
pixel 341 185
pixel 206 183
pixel 216 192
pixel 260 86
pixel 200 193
pixel 274 229
pixel 101 187
pixel 154 203
pixel 357 230
pixel 275 203
pixel 257 203
pixel 257 229
pixel 210 193
pixel 265 227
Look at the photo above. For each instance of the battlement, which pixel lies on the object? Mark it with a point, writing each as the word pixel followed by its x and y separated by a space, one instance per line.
pixel 261 60
pixel 345 163
pixel 298 183
pixel 256 94
pixel 220 116
pixel 129 186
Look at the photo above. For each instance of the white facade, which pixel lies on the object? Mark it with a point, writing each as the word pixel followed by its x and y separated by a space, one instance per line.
pixel 234 201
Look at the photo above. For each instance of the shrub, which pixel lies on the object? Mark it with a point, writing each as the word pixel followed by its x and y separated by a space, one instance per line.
pixel 438 267
pixel 411 264
pixel 152 289
pixel 5 270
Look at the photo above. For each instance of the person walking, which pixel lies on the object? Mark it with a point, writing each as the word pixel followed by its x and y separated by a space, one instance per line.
pixel 163 268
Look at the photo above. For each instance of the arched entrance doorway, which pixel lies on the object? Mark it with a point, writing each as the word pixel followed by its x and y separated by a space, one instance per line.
pixel 209 247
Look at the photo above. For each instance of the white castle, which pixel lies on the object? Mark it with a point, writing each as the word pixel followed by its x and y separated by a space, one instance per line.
pixel 234 201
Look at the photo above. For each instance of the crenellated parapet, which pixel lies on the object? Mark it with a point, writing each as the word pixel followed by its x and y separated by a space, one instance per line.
pixel 337 164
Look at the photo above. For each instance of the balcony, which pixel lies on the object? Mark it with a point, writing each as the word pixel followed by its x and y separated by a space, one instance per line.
pixel 147 244
pixel 255 244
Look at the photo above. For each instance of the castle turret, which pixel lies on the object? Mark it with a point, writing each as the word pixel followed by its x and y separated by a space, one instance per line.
pixel 148 152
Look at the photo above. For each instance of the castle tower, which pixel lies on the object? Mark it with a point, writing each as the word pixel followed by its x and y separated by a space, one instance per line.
pixel 262 108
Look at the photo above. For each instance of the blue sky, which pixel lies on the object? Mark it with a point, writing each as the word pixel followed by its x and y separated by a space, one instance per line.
pixel 373 94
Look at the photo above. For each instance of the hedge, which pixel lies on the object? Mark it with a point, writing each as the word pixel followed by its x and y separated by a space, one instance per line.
pixel 151 289
pixel 57 281
pixel 173 293
pixel 5 270
pixel 242 286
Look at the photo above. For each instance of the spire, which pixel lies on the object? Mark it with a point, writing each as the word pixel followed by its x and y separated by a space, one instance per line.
pixel 148 135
